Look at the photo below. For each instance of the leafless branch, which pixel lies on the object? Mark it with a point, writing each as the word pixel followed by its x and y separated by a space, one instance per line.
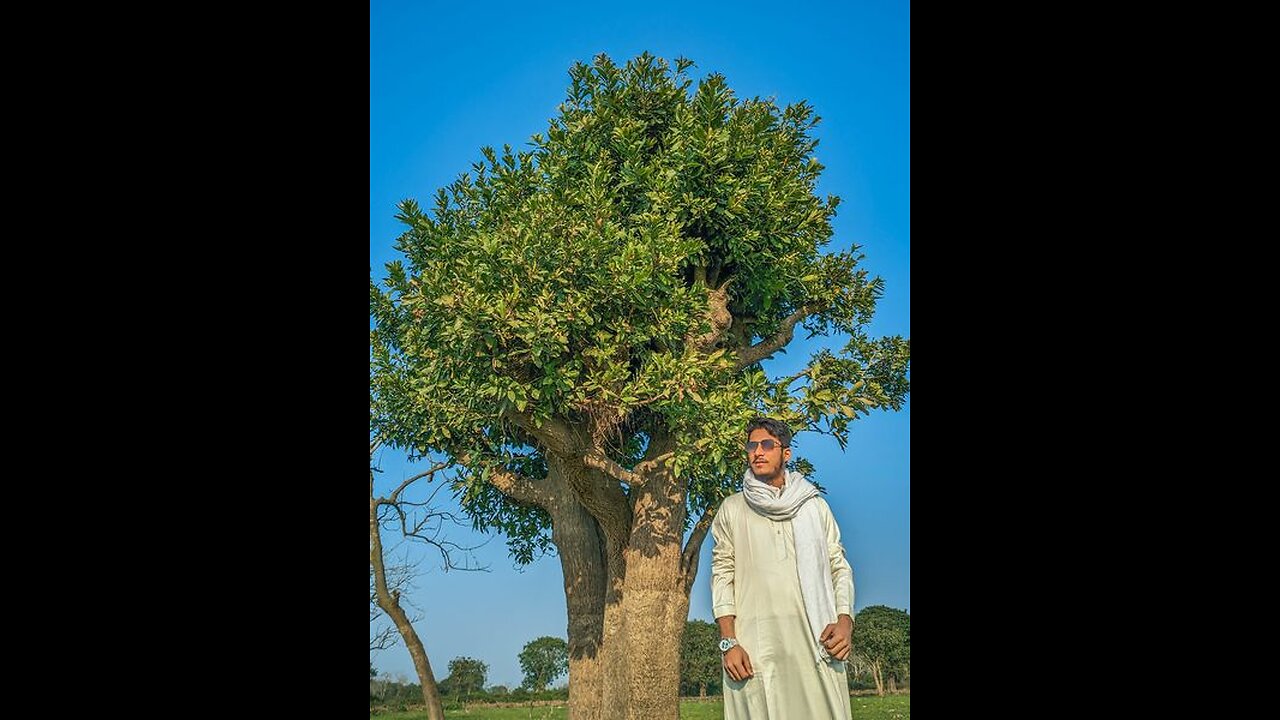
pixel 395 495
pixel 385 638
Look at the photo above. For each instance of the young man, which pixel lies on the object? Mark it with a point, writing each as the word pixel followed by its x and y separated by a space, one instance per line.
pixel 781 591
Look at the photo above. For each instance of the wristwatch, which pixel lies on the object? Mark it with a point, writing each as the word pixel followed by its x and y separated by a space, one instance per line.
pixel 726 644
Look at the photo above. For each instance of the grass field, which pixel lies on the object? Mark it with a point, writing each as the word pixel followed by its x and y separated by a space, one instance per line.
pixel 890 707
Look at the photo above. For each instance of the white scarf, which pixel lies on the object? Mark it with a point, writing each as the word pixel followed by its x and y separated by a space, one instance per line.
pixel 810 544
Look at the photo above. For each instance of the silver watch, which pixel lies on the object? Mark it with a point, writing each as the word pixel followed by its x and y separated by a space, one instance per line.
pixel 726 644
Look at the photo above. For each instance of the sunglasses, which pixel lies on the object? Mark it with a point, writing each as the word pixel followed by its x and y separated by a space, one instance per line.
pixel 768 445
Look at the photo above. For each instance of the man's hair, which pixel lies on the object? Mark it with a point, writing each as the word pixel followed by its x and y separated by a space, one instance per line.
pixel 776 428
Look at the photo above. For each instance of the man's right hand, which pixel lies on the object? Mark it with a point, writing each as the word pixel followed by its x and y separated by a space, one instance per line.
pixel 737 663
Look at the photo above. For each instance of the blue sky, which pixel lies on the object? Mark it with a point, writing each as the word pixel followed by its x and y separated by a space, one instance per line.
pixel 446 79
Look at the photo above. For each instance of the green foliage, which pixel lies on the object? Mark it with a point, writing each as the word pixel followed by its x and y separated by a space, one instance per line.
pixel 373 671
pixel 543 660
pixel 466 675
pixel 578 279
pixel 700 657
pixel 882 635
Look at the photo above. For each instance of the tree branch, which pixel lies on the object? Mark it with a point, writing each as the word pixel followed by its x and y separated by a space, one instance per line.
pixel 660 449
pixel 765 348
pixel 718 315
pixel 599 462
pixel 601 497
pixel 395 495
pixel 553 432
pixel 520 488
pixel 693 548
pixel 560 438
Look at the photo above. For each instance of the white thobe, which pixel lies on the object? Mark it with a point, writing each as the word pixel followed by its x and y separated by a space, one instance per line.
pixel 754 577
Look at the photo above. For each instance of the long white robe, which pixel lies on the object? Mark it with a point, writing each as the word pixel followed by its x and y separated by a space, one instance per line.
pixel 754 577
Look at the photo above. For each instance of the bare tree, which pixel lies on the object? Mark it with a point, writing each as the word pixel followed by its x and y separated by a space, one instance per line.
pixel 423 522
pixel 398 577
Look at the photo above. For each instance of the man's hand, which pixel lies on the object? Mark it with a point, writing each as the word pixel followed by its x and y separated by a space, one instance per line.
pixel 737 663
pixel 837 638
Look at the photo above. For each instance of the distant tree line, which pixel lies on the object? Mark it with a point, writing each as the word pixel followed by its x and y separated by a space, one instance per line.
pixel 881 660
pixel 543 660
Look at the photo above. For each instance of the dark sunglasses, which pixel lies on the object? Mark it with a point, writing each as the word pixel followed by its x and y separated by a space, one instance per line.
pixel 768 445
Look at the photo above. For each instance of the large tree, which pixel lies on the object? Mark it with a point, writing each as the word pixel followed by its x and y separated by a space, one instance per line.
pixel 882 640
pixel 580 327
pixel 700 656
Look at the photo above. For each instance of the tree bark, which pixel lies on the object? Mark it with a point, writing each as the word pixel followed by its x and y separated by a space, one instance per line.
pixel 626 580
pixel 578 543
pixel 646 618
pixel 390 604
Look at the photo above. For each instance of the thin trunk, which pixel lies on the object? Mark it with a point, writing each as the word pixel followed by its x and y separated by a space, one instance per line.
pixel 390 604
pixel 878 677
pixel 702 688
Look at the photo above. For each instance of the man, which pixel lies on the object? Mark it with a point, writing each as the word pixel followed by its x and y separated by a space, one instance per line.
pixel 781 591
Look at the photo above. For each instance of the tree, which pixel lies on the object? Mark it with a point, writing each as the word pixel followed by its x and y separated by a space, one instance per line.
pixel 397 579
pixel 700 655
pixel 543 660
pixel 882 640
pixel 580 327
pixel 467 674
pixel 415 520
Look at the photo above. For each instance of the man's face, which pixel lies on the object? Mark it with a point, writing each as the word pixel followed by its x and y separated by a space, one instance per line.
pixel 766 464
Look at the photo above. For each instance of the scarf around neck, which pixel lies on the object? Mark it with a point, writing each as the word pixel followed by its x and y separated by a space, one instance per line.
pixel 810 540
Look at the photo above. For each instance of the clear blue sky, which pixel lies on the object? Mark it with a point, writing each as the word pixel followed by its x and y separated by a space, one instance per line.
pixel 446 78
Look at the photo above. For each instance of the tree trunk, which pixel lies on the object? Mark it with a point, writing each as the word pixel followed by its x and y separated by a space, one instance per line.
pixel 577 539
pixel 626 585
pixel 645 621
pixel 893 686
pixel 878 677
pixel 390 604
pixel 702 690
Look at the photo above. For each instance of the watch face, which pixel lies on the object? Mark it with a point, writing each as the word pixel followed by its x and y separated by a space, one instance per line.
pixel 725 644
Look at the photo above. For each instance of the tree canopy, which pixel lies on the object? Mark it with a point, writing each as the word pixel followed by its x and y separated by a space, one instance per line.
pixel 700 655
pixel 629 272
pixel 882 637
pixel 466 675
pixel 542 661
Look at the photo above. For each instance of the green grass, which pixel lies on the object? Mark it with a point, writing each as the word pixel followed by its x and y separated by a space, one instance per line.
pixel 890 707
